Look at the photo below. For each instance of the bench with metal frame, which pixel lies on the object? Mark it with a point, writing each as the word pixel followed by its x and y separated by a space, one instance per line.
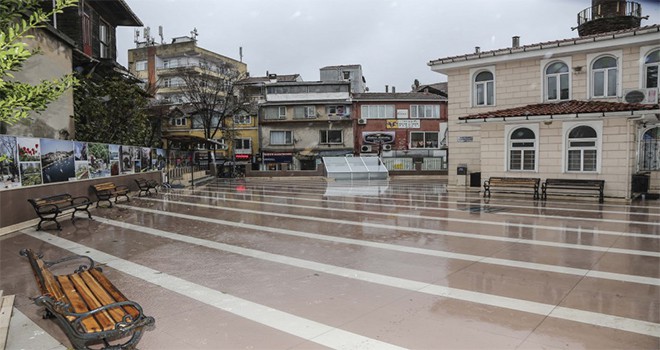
pixel 512 185
pixel 48 208
pixel 86 305
pixel 145 186
pixel 569 186
pixel 107 190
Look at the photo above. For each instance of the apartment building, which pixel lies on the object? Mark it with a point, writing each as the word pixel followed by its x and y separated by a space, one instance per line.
pixel 301 122
pixel 579 108
pixel 162 67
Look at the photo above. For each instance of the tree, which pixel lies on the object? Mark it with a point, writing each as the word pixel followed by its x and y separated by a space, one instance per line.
pixel 211 91
pixel 17 19
pixel 112 110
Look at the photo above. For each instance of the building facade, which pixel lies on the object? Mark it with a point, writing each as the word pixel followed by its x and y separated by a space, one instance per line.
pixel 579 108
pixel 162 68
pixel 407 130
pixel 301 122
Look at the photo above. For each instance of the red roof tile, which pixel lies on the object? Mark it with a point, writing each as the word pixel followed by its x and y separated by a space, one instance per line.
pixel 568 107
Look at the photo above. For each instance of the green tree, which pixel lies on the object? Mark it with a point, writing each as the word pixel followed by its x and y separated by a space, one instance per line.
pixel 112 110
pixel 17 19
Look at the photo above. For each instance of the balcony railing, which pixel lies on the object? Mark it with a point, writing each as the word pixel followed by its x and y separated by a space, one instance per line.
pixel 618 9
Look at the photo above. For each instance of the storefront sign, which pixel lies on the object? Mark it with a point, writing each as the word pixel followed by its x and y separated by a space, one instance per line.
pixel 375 138
pixel 243 156
pixel 278 157
pixel 462 139
pixel 403 124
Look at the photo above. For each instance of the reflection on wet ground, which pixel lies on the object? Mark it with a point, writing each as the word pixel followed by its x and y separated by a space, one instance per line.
pixel 293 264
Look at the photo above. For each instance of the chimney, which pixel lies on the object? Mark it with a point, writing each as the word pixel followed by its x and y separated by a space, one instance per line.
pixel 387 88
pixel 393 89
pixel 477 49
pixel 515 42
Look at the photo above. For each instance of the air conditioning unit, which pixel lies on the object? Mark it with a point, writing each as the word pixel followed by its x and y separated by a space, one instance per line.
pixel 365 148
pixel 362 121
pixel 645 96
pixel 387 147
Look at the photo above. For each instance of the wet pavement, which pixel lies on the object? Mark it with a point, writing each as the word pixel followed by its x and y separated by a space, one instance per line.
pixel 305 264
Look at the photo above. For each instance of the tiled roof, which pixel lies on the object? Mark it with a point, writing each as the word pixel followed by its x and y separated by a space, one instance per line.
pixel 398 96
pixel 655 28
pixel 563 108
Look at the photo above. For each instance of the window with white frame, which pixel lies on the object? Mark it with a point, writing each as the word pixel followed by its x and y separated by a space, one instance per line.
pixel 522 148
pixel 649 150
pixel 242 120
pixel 178 119
pixel 377 111
pixel 557 82
pixel 420 139
pixel 140 66
pixel 338 110
pixel 281 137
pixel 582 143
pixel 104 40
pixel 424 111
pixel 651 64
pixel 281 112
pixel 300 112
pixel 274 112
pixel 243 144
pixel 604 76
pixel 484 89
pixel 331 137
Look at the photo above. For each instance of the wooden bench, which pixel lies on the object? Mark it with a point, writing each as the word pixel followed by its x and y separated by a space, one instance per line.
pixel 86 305
pixel 48 208
pixel 146 186
pixel 108 190
pixel 569 186
pixel 512 184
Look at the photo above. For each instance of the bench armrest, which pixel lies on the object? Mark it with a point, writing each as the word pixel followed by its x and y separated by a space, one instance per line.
pixel 82 267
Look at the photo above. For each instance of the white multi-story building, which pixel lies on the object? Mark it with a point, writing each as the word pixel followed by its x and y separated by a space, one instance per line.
pixel 579 108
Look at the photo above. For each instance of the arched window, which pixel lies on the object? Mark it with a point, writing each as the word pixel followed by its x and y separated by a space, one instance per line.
pixel 651 63
pixel 650 150
pixel 522 149
pixel 582 149
pixel 484 89
pixel 604 77
pixel 556 82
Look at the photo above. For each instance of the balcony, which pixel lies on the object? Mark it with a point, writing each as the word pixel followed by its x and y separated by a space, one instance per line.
pixel 609 17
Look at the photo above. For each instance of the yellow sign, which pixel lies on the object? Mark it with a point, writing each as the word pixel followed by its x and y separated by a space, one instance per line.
pixel 402 124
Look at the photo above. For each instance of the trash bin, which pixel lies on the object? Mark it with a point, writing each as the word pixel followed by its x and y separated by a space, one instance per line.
pixel 475 179
pixel 640 183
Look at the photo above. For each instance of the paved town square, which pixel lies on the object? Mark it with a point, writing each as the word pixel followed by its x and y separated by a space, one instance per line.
pixel 401 263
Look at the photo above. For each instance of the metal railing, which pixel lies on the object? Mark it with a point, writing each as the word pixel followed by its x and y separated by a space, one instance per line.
pixel 623 8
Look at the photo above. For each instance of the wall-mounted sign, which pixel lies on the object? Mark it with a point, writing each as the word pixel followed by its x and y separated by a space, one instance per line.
pixel 402 114
pixel 378 137
pixel 461 139
pixel 277 157
pixel 402 124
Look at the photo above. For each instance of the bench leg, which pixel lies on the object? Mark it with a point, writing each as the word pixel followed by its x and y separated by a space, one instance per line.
pixel 104 199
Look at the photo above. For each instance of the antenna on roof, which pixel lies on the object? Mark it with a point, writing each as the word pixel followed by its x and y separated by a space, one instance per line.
pixel 194 34
pixel 240 53
pixel 160 34
pixel 136 37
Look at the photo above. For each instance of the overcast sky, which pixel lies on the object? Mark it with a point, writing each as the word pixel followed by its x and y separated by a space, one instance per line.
pixel 393 40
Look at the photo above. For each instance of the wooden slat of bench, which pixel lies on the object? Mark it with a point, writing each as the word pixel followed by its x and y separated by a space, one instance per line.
pixel 53 288
pixel 104 319
pixel 116 294
pixel 105 186
pixel 103 296
pixel 78 304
